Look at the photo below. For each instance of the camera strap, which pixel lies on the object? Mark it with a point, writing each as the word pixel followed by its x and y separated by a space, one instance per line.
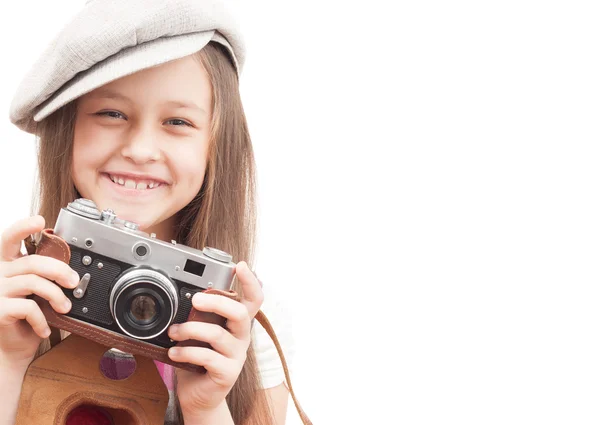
pixel 262 319
pixel 53 246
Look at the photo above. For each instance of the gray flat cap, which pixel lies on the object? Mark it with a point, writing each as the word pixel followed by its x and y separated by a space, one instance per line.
pixel 110 39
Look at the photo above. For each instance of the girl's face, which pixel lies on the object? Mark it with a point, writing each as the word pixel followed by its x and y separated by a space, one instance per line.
pixel 141 143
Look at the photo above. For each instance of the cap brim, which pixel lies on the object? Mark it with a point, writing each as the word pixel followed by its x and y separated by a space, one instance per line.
pixel 127 62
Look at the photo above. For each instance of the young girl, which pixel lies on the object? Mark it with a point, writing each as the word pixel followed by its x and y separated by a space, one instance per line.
pixel 136 107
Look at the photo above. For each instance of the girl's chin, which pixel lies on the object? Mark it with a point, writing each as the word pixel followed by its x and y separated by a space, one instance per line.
pixel 146 224
pixel 143 223
pixel 129 212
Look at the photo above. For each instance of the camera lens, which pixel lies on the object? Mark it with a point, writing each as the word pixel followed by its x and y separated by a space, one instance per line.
pixel 143 309
pixel 143 302
pixel 141 250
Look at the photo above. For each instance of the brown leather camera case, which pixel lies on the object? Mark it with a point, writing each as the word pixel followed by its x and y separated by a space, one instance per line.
pixel 59 381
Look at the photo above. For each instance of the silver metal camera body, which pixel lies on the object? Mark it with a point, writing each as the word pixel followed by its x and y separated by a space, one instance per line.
pixel 131 282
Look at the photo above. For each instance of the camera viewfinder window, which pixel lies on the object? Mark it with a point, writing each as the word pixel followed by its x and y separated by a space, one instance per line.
pixel 194 268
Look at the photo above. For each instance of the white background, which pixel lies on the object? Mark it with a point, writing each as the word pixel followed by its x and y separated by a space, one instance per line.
pixel 428 200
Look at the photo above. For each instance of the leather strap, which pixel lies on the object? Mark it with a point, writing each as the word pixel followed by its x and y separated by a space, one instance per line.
pixel 262 319
pixel 53 246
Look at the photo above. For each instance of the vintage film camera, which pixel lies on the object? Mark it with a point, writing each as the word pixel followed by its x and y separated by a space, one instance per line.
pixel 132 283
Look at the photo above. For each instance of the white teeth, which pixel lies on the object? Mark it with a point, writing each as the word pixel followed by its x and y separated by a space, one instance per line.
pixel 132 184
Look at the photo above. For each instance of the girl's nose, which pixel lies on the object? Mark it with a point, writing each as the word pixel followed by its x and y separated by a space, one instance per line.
pixel 141 147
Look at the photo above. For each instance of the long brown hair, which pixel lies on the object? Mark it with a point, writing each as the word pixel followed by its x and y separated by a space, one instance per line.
pixel 223 213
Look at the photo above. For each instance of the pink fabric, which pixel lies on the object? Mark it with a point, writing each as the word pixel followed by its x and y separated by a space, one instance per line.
pixel 167 373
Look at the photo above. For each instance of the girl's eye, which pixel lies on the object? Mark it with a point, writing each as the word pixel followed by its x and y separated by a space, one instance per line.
pixel 176 120
pixel 112 114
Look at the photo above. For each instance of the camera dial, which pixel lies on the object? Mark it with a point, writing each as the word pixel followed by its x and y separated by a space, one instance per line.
pixel 131 225
pixel 84 207
pixel 217 254
pixel 108 216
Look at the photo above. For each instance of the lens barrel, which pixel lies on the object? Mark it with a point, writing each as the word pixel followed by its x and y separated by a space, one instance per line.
pixel 143 302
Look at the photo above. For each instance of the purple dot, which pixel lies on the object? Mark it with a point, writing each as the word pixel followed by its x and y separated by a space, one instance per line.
pixel 117 365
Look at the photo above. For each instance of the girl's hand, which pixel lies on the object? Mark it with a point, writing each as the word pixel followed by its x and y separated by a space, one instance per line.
pixel 22 323
pixel 201 393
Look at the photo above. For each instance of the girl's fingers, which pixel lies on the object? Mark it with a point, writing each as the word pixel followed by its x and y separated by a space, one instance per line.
pixel 219 338
pixel 252 294
pixel 238 319
pixel 47 267
pixel 238 314
pixel 14 309
pixel 10 241
pixel 223 371
pixel 27 284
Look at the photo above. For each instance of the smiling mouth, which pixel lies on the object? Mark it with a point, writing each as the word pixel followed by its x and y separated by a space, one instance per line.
pixel 129 183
